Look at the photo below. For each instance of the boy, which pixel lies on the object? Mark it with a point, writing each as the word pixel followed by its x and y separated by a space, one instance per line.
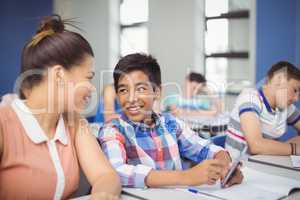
pixel 198 100
pixel 260 115
pixel 146 148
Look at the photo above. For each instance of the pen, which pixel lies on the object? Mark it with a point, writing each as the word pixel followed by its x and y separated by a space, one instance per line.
pixel 196 191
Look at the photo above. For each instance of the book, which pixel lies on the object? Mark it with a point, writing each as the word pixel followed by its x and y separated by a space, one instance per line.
pixel 256 185
pixel 295 161
pixel 277 161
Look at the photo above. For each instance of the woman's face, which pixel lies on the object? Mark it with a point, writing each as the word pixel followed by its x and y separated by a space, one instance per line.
pixel 78 86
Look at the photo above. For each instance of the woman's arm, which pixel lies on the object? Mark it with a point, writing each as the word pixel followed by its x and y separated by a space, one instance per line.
pixel 96 167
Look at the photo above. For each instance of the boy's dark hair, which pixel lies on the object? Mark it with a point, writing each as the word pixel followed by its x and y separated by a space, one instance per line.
pixel 52 45
pixel 291 70
pixel 196 77
pixel 141 62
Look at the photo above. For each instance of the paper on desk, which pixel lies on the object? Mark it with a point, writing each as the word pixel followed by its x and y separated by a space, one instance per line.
pixel 295 161
pixel 256 185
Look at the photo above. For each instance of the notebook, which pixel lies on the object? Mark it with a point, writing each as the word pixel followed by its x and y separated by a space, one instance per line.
pixel 295 161
pixel 277 161
pixel 256 185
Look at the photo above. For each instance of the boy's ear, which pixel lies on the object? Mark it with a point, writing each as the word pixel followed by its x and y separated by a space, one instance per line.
pixel 157 93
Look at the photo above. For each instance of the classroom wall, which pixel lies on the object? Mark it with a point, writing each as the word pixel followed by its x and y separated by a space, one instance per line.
pixel 18 21
pixel 277 37
pixel 276 33
pixel 176 32
pixel 298 33
pixel 99 20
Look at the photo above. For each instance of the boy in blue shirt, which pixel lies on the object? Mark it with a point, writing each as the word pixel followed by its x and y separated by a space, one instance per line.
pixel 145 147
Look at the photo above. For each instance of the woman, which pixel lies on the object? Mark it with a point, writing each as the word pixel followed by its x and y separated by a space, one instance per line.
pixel 43 140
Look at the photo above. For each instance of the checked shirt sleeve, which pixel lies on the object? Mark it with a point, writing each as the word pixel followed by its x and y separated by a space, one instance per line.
pixel 113 145
pixel 192 146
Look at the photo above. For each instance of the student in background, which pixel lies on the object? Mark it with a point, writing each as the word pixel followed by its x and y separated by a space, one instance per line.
pixel 260 116
pixel 146 147
pixel 197 101
pixel 108 107
pixel 43 139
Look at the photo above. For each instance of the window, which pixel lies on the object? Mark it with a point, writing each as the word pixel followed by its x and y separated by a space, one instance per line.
pixel 216 40
pixel 227 43
pixel 133 26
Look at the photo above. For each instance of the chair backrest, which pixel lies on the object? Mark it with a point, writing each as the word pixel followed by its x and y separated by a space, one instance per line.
pixel 219 140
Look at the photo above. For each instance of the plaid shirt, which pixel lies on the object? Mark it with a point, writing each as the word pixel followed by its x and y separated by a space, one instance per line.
pixel 134 149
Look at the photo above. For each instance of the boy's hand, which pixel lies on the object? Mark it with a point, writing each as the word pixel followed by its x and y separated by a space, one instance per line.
pixel 237 177
pixel 207 172
pixel 223 157
pixel 103 196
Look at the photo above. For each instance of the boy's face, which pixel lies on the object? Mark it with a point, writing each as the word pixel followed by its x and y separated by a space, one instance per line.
pixel 287 93
pixel 192 87
pixel 136 95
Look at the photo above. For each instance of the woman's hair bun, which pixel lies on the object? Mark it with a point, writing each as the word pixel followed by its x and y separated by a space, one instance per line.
pixel 53 22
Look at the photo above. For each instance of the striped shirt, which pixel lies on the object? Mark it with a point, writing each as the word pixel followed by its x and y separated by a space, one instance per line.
pixel 134 149
pixel 273 122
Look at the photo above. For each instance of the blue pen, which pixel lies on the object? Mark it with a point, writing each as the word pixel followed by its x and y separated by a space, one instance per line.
pixel 196 191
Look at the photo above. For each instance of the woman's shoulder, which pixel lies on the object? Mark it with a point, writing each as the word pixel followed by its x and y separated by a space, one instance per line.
pixel 6 118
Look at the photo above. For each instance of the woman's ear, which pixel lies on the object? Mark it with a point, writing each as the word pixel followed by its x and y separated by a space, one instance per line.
pixel 57 73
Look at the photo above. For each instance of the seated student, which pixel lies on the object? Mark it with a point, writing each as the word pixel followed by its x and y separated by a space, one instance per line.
pixel 197 100
pixel 108 107
pixel 145 147
pixel 259 116
pixel 43 139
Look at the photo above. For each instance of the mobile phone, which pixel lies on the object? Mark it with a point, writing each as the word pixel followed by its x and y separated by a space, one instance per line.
pixel 234 166
pixel 230 173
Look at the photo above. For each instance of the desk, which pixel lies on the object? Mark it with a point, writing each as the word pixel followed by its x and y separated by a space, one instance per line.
pixel 279 172
pixel 157 194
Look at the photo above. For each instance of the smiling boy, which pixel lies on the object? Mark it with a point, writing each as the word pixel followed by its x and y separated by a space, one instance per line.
pixel 145 147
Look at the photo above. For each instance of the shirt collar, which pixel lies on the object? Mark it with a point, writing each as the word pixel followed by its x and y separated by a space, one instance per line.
pixel 265 100
pixel 142 125
pixel 32 128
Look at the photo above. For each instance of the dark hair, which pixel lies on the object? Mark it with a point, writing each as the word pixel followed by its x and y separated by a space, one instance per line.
pixel 52 45
pixel 141 62
pixel 291 70
pixel 197 77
